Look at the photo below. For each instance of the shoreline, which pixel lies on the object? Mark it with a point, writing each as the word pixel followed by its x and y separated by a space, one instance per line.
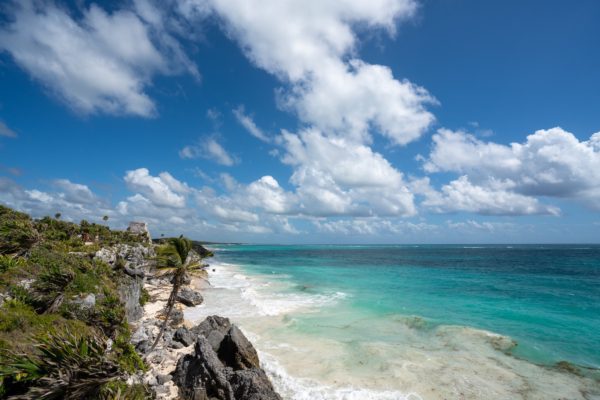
pixel 462 360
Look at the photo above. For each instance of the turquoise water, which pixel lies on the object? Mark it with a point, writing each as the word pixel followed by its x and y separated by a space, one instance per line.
pixel 546 298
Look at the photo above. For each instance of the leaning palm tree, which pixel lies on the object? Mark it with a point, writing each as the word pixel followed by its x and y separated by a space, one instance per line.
pixel 173 257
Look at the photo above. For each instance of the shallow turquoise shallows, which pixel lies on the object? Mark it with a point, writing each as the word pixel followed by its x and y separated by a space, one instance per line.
pixel 547 298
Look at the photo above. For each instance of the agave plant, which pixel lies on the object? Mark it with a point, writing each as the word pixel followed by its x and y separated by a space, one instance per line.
pixel 67 367
pixel 48 289
pixel 173 258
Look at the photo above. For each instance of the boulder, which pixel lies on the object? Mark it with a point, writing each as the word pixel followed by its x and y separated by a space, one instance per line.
pixel 214 329
pixel 236 351
pixel 189 297
pixel 251 384
pixel 201 375
pixel 184 336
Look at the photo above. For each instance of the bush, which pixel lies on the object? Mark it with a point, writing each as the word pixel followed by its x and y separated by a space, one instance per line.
pixel 65 366
pixel 17 233
pixel 9 262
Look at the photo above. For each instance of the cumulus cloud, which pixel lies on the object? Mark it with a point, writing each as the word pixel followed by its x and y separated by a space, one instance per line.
pixel 99 63
pixel 161 191
pixel 73 200
pixel 210 149
pixel 462 195
pixel 551 163
pixel 6 131
pixel 247 122
pixel 371 226
pixel 336 176
pixel 311 48
pixel 75 192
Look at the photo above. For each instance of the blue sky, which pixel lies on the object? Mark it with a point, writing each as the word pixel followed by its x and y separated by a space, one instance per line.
pixel 380 121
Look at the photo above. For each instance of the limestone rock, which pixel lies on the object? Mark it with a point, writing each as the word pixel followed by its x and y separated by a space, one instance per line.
pixel 189 297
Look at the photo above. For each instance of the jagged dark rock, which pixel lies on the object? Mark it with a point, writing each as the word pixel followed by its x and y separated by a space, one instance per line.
pixel 236 351
pixel 189 297
pixel 214 329
pixel 201 376
pixel 184 336
pixel 224 366
pixel 251 384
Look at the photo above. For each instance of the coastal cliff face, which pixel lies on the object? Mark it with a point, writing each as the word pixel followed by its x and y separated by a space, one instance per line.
pixel 81 306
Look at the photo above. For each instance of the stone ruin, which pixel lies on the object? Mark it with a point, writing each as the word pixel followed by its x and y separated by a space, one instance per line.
pixel 141 229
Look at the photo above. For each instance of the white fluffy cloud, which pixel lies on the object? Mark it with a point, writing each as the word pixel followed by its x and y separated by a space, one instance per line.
pixel 551 163
pixel 336 176
pixel 462 195
pixel 209 148
pixel 371 226
pixel 101 62
pixel 75 192
pixel 73 200
pixel 161 191
pixel 307 45
pixel 247 122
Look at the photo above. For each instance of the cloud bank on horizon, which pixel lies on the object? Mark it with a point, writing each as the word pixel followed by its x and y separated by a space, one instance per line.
pixel 102 63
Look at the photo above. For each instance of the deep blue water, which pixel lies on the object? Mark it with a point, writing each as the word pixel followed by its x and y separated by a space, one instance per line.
pixel 546 297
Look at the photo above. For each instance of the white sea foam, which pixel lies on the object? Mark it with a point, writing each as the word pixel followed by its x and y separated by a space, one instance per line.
pixel 342 360
pixel 294 388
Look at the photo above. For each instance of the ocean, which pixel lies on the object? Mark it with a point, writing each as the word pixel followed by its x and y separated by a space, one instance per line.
pixel 416 322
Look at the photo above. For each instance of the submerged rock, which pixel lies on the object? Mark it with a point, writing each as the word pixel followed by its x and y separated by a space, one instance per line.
pixel 189 297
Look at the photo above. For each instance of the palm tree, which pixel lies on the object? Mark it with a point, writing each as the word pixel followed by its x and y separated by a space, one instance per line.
pixel 105 218
pixel 57 215
pixel 173 257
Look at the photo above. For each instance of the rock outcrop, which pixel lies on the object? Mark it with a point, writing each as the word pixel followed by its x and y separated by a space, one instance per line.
pixel 224 366
pixel 133 260
pixel 189 297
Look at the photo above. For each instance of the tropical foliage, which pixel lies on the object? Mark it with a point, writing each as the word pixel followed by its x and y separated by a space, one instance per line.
pixel 172 259
pixel 53 344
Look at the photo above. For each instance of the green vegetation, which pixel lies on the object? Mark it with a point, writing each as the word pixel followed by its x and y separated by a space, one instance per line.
pixel 144 297
pixel 63 331
pixel 173 257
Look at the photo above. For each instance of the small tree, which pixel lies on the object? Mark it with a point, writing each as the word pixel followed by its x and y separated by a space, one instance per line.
pixel 57 215
pixel 173 257
pixel 105 218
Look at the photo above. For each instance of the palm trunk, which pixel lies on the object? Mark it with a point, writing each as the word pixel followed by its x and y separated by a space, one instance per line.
pixel 169 307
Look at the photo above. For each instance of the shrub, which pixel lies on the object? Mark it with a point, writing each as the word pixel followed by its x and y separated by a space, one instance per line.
pixel 9 262
pixel 66 366
pixel 17 233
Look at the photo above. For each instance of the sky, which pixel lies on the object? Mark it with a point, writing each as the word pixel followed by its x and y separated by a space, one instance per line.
pixel 330 121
